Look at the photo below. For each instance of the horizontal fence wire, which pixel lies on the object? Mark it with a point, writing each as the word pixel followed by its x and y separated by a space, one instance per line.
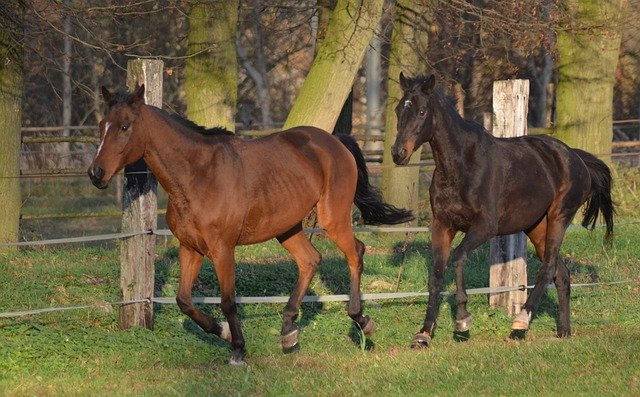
pixel 306 299
pixel 167 232
pixel 82 239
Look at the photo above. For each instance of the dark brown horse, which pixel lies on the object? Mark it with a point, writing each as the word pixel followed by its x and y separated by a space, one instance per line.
pixel 225 191
pixel 485 186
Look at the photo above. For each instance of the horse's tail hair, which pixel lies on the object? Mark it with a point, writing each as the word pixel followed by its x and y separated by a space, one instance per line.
pixel 600 198
pixel 368 199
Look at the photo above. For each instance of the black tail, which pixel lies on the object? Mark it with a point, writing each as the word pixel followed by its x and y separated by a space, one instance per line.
pixel 600 199
pixel 368 199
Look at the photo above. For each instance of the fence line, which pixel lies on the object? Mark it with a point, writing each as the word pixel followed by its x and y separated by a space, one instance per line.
pixel 372 166
pixel 307 298
pixel 167 232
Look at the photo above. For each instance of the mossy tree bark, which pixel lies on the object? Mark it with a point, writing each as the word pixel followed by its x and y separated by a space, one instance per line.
pixel 338 58
pixel 588 51
pixel 211 75
pixel 409 40
pixel 11 54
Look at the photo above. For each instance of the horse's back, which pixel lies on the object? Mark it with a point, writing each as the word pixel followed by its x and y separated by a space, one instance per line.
pixel 544 173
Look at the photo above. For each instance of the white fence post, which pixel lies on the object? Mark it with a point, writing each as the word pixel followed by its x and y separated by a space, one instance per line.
pixel 140 212
pixel 507 254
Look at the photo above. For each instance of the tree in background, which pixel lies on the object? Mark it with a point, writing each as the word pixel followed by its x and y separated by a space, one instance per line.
pixel 588 48
pixel 211 73
pixel 409 40
pixel 336 64
pixel 11 55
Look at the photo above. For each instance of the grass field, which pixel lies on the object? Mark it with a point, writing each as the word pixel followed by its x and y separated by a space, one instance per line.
pixel 83 352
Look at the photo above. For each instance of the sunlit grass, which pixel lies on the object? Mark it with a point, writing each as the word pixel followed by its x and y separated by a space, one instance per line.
pixel 84 353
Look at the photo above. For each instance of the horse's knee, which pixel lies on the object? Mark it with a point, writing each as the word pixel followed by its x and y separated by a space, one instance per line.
pixel 314 260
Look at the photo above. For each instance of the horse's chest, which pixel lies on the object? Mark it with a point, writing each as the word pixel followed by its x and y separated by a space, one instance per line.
pixel 452 206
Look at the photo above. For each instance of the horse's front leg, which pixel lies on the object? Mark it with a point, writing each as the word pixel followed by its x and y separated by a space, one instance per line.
pixel 441 238
pixel 479 234
pixel 225 266
pixel 190 263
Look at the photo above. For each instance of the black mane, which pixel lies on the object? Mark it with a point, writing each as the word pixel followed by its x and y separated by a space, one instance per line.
pixel 196 127
pixel 123 96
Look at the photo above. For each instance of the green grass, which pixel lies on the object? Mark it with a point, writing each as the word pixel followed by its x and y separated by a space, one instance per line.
pixel 83 352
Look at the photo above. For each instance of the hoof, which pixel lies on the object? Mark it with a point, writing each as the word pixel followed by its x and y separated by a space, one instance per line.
pixel 464 324
pixel 421 341
pixel 516 335
pixel 237 359
pixel 290 342
pixel 237 362
pixel 225 333
pixel 370 327
pixel 521 322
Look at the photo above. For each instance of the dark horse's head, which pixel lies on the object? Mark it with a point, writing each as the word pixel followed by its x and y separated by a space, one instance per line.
pixel 121 142
pixel 415 117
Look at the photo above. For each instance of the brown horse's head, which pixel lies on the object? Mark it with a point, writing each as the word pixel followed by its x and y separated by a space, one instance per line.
pixel 122 141
pixel 414 117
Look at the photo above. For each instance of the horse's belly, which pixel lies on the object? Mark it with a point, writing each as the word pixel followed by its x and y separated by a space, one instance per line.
pixel 264 222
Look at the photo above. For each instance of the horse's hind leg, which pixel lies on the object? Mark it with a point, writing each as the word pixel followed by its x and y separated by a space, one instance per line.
pixel 563 287
pixel 190 263
pixel 551 266
pixel 337 224
pixel 307 258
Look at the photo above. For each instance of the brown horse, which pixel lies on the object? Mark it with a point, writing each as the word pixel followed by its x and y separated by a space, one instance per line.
pixel 225 191
pixel 485 186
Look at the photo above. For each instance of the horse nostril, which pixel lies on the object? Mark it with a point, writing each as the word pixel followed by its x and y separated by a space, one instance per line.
pixel 96 173
pixel 402 153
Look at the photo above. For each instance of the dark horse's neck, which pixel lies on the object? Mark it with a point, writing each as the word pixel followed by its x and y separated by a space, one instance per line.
pixel 454 138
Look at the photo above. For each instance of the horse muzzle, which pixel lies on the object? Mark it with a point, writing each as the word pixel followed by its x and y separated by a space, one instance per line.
pixel 96 174
pixel 400 154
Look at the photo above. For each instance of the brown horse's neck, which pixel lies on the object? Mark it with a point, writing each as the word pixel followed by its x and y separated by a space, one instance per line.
pixel 172 151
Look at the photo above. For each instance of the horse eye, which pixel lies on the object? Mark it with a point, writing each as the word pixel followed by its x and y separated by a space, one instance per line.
pixel 422 112
pixel 124 127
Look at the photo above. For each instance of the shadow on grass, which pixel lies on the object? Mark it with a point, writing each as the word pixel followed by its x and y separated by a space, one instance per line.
pixel 476 275
pixel 268 277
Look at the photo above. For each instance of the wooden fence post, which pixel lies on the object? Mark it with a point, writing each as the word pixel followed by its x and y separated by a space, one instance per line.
pixel 140 209
pixel 507 254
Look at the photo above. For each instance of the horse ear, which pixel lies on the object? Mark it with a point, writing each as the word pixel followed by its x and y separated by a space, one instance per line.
pixel 137 98
pixel 429 84
pixel 106 94
pixel 404 83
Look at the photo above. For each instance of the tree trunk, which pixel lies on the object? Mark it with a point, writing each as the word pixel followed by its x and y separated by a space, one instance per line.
pixel 374 91
pixel 257 70
pixel 11 54
pixel 588 55
pixel 336 64
pixel 408 42
pixel 65 147
pixel 211 73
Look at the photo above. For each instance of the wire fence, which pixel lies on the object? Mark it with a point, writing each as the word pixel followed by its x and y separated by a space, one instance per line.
pixel 165 232
pixel 283 299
